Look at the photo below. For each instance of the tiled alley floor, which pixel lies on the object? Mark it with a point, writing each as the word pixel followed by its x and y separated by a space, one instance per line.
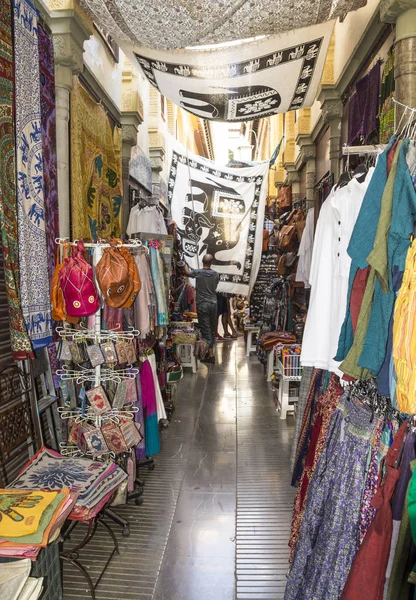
pixel 216 513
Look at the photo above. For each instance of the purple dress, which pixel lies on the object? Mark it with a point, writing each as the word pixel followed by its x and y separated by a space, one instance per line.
pixel 329 536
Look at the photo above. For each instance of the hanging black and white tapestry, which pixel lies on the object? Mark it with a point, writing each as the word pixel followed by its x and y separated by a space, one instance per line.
pixel 274 75
pixel 219 211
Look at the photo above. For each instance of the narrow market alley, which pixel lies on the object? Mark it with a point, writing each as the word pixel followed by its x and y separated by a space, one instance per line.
pixel 216 515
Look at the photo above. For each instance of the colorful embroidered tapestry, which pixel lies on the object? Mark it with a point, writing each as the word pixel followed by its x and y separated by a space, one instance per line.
pixel 48 470
pixel 21 511
pixel 219 215
pixel 20 342
pixel 271 76
pixel 96 178
pixel 48 124
pixel 34 283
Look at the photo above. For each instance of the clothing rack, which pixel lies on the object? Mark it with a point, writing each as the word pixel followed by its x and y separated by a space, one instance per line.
pixel 325 179
pixel 144 201
pixel 362 150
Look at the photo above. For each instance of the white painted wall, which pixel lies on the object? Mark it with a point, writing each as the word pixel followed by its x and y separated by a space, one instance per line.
pixel 102 64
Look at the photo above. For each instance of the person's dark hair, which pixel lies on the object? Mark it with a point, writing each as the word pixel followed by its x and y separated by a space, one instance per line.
pixel 207 260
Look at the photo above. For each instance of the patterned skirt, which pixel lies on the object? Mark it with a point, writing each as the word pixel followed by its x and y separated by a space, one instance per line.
pixel 329 535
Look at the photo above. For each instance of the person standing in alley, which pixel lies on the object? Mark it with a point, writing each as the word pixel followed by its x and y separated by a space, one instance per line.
pixel 206 301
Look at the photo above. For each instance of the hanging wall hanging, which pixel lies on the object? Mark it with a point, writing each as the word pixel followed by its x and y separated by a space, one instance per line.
pixel 179 24
pixel 96 180
pixel 217 210
pixel 20 342
pixel 34 282
pixel 271 76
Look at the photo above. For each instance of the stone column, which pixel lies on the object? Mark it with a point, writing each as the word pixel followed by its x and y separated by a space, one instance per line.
pixel 403 13
pixel 293 179
pixel 131 118
pixel 332 111
pixel 69 32
pixel 308 154
pixel 62 91
pixel 157 140
pixel 129 139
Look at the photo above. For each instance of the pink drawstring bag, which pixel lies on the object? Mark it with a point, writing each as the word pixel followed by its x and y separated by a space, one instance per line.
pixel 77 284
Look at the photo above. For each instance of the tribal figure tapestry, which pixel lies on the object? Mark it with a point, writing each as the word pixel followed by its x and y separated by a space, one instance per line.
pixel 96 177
pixel 274 75
pixel 219 211
pixel 21 346
pixel 34 282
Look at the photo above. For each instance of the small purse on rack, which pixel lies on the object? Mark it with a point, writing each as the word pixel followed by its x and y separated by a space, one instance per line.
pixel 78 287
pixel 98 400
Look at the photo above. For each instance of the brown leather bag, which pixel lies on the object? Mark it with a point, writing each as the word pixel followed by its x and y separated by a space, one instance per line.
pixel 117 275
pixel 300 227
pixel 287 238
pixel 284 196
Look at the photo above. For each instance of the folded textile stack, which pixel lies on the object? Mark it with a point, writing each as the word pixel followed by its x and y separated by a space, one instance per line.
pixel 271 338
pixel 93 482
pixel 15 583
pixel 32 519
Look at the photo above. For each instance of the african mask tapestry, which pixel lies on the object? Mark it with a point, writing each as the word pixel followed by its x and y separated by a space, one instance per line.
pixel 219 211
pixel 34 282
pixel 274 75
pixel 96 179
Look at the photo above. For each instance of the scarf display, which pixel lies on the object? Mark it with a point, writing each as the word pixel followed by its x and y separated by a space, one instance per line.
pixel 34 282
pixel 363 107
pixel 21 346
pixel 96 179
pixel 159 283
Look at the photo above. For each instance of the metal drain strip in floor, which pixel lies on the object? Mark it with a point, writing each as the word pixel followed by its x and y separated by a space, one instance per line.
pixel 264 498
pixel 132 575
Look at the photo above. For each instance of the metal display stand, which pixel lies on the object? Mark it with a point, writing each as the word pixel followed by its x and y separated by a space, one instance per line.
pixel 96 376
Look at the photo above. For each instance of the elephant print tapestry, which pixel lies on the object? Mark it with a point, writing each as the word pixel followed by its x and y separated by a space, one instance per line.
pixel 96 178
pixel 219 211
pixel 33 257
pixel 274 75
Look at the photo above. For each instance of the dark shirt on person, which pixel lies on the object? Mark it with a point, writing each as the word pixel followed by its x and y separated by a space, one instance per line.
pixel 206 285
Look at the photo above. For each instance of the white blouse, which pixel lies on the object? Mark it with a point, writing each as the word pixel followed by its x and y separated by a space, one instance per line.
pixel 146 220
pixel 305 250
pixel 329 275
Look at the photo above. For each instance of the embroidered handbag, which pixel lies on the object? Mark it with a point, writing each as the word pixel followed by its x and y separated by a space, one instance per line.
pixel 57 297
pixel 78 287
pixel 117 275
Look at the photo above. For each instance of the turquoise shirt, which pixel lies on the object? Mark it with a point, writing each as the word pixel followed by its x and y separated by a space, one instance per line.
pixel 362 242
pixel 403 218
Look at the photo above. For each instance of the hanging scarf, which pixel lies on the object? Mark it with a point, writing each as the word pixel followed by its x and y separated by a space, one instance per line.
pixel 158 277
pixel 20 342
pixel 96 179
pixel 34 282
